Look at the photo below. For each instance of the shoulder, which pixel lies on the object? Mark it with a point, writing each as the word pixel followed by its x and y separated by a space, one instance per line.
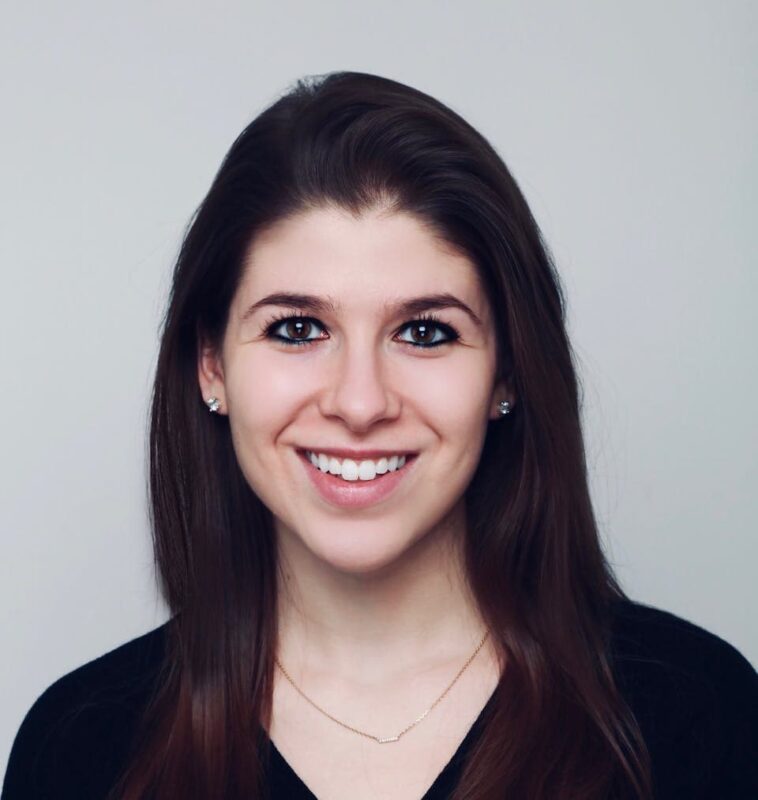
pixel 643 634
pixel 652 647
pixel 695 697
pixel 74 738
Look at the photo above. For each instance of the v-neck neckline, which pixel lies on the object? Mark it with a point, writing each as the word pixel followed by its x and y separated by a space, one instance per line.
pixel 443 781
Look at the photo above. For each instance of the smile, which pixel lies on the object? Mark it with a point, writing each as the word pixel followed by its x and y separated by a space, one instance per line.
pixel 356 484
pixel 351 470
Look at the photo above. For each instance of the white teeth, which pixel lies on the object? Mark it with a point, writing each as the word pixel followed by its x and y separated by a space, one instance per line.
pixel 350 470
pixel 366 471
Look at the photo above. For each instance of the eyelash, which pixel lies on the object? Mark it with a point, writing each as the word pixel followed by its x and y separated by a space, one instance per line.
pixel 447 329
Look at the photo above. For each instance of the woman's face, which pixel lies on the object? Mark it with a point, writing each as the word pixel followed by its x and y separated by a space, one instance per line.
pixel 341 368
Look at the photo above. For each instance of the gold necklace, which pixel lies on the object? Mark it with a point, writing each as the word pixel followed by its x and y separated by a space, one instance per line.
pixel 385 739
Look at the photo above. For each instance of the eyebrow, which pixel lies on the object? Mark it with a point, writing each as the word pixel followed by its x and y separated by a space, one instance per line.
pixel 320 305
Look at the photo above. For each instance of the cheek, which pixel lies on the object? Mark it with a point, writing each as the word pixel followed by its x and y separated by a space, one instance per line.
pixel 455 394
pixel 455 402
pixel 262 398
pixel 260 389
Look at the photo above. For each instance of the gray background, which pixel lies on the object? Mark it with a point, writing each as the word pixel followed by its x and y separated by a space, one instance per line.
pixel 631 128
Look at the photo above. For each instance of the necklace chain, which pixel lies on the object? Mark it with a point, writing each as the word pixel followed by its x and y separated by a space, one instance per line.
pixel 384 739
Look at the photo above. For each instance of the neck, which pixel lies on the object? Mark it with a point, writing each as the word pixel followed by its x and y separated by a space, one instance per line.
pixel 415 613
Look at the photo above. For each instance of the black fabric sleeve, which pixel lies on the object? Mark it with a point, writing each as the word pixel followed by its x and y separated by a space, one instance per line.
pixel 734 728
pixel 695 698
pixel 77 736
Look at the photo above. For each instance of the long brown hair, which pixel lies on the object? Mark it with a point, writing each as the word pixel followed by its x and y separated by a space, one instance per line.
pixel 558 727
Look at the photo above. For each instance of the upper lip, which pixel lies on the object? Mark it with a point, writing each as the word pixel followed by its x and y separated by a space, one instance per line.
pixel 357 455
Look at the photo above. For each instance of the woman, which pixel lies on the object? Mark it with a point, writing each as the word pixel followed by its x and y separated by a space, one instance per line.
pixel 370 507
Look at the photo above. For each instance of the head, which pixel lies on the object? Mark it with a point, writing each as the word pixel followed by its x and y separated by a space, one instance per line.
pixel 360 195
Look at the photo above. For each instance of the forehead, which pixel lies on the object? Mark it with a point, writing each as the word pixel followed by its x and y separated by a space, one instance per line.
pixel 356 260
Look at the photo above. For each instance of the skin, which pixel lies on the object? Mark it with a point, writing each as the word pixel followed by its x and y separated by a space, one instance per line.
pixel 367 597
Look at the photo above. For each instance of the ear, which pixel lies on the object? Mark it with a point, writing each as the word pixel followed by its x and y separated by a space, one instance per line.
pixel 502 391
pixel 210 375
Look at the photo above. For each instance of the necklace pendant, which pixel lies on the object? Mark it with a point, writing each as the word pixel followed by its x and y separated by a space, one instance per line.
pixel 388 739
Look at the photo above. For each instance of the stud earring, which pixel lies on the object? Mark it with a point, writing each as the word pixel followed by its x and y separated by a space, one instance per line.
pixel 504 407
pixel 213 405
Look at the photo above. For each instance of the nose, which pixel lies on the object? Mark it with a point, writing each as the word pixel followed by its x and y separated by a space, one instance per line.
pixel 358 391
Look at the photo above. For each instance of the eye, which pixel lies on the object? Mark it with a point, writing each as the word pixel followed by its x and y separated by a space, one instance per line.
pixel 295 327
pixel 427 327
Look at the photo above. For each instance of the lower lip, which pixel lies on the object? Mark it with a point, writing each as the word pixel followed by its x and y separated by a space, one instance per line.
pixel 355 494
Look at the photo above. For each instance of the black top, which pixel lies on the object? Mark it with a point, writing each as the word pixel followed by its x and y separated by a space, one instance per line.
pixel 695 698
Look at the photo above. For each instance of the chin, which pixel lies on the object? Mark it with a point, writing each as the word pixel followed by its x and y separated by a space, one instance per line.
pixel 357 552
